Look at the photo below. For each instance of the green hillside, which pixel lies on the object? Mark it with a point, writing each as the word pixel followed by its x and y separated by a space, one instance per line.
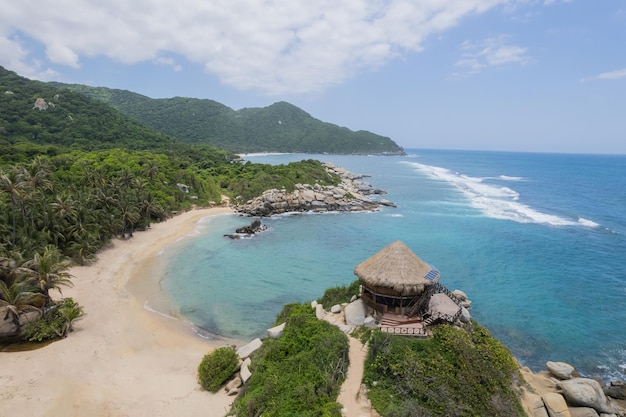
pixel 75 172
pixel 281 127
pixel 69 120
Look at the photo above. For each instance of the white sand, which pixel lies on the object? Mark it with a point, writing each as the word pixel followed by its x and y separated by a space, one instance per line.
pixel 121 360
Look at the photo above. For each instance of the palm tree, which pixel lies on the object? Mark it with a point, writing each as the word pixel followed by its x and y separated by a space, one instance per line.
pixel 38 179
pixel 17 298
pixel 71 312
pixel 11 183
pixel 48 271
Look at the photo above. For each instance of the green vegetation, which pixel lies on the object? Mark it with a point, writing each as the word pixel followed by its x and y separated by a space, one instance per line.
pixel 340 294
pixel 298 374
pixel 55 322
pixel 281 127
pixel 25 286
pixel 455 373
pixel 78 173
pixel 217 367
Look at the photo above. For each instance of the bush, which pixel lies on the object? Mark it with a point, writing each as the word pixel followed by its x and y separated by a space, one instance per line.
pixel 217 367
pixel 298 374
pixel 455 373
pixel 340 294
pixel 56 321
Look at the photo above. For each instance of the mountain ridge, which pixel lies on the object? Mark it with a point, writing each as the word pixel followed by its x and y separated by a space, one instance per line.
pixel 279 127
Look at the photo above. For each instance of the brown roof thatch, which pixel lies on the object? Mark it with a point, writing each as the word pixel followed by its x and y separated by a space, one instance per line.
pixel 396 267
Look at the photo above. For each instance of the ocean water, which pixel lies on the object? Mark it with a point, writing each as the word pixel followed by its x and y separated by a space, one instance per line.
pixel 537 241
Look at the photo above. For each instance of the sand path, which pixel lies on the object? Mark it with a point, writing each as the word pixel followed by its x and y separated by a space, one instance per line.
pixel 350 396
pixel 122 360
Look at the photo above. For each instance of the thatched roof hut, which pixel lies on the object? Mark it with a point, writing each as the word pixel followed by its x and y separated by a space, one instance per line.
pixel 396 270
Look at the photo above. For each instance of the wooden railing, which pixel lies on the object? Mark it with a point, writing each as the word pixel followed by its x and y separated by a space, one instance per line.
pixel 405 331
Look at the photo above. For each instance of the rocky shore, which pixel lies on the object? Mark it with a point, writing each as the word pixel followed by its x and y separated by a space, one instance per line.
pixel 561 392
pixel 352 194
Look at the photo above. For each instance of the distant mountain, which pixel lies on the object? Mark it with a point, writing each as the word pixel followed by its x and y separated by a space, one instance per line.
pixel 33 112
pixel 281 127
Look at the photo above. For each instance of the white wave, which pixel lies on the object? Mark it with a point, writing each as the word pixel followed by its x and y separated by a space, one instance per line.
pixel 495 201
pixel 395 215
pixel 147 307
pixel 507 178
pixel 589 223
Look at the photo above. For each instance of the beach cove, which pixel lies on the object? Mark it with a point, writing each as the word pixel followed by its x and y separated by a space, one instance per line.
pixel 122 359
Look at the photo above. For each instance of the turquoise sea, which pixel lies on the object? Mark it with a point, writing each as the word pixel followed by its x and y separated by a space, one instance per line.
pixel 537 241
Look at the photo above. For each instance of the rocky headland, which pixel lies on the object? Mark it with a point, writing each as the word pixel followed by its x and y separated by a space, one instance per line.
pixel 351 194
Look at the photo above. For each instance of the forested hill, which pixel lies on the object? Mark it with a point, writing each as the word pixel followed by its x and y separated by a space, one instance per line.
pixel 281 127
pixel 34 113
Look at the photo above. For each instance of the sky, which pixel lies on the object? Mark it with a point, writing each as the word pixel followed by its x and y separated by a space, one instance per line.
pixel 502 75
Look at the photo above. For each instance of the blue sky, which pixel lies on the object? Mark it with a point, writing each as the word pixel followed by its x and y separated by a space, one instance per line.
pixel 512 75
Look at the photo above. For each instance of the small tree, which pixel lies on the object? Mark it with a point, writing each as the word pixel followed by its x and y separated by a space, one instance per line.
pixel 217 367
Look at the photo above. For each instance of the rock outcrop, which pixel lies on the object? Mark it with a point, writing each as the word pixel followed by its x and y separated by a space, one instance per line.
pixel 350 195
pixel 40 104
pixel 583 397
pixel 247 231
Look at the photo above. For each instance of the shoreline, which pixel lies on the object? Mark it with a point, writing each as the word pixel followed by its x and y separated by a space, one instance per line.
pixel 122 359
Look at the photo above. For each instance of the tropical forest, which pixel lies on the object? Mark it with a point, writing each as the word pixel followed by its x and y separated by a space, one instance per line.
pixel 75 172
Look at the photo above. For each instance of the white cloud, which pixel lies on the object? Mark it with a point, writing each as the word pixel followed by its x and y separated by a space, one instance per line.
pixel 490 52
pixel 61 54
pixel 275 46
pixel 168 62
pixel 611 75
pixel 16 57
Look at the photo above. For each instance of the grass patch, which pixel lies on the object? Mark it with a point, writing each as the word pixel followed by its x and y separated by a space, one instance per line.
pixel 298 374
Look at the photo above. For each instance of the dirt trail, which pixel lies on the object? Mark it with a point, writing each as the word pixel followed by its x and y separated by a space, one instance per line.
pixel 351 396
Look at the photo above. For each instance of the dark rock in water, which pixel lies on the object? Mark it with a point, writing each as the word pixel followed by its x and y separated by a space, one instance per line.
pixel 253 228
pixel 247 231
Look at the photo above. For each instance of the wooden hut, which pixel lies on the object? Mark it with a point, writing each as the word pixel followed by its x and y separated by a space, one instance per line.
pixel 397 281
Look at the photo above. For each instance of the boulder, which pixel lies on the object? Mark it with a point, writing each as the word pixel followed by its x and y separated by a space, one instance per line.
pixel 244 373
pixel 233 384
pixel 617 390
pixel 370 322
pixel 535 405
pixel 460 295
pixel 346 329
pixel 465 315
pixel 246 351
pixel 313 304
pixel 319 312
pixel 583 412
pixel 276 332
pixel 585 392
pixel 355 313
pixel 40 104
pixel 555 405
pixel 336 309
pixel 560 370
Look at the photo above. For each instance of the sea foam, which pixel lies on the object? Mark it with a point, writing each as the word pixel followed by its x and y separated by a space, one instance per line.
pixel 496 201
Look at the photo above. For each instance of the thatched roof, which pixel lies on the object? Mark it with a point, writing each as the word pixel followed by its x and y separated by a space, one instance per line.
pixel 398 268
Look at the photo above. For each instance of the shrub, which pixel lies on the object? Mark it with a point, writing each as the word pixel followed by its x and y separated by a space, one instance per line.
pixel 56 321
pixel 455 373
pixel 217 367
pixel 298 374
pixel 340 294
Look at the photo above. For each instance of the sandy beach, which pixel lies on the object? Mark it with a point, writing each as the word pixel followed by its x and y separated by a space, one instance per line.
pixel 121 360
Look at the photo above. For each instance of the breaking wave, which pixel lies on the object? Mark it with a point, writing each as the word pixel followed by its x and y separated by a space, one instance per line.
pixel 496 201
